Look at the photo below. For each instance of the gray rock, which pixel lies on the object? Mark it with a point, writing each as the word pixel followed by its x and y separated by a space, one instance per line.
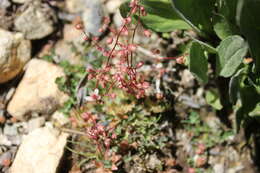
pixel 4 140
pixel 92 17
pixel 118 20
pixel 219 168
pixel 15 140
pixel 187 79
pixel 76 6
pixel 113 5
pixel 10 130
pixel 36 21
pixel 40 151
pixel 15 51
pixel 21 1
pixel 35 123
pixel 71 38
pixel 4 4
pixel 37 92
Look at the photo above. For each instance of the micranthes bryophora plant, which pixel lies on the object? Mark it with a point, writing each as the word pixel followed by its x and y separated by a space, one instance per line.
pixel 106 136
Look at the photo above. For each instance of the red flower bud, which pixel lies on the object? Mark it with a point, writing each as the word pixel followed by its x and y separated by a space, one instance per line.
pixel 147 33
pixel 79 26
pixel 140 64
pixel 109 40
pixel 127 20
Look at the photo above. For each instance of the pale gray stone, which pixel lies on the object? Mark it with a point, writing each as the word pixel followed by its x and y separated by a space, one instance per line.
pixel 37 91
pixel 40 151
pixel 36 21
pixel 15 52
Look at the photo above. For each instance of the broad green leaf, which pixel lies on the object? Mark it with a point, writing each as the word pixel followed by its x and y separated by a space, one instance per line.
pixel 124 9
pixel 223 28
pixel 231 52
pixel 160 16
pixel 205 46
pixel 197 13
pixel 198 63
pixel 213 99
pixel 224 19
pixel 255 111
pixel 249 21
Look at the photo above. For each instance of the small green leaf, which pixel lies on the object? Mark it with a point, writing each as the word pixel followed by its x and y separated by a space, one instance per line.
pixel 160 16
pixel 198 63
pixel 231 52
pixel 213 99
pixel 255 111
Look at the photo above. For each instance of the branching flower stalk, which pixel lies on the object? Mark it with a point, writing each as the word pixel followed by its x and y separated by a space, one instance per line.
pixel 119 71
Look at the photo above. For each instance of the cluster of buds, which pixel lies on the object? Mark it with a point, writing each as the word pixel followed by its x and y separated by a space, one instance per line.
pixel 102 135
pixel 120 68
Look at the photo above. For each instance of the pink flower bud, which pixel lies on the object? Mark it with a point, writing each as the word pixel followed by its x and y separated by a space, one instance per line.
pixel 143 12
pixel 86 38
pixel 114 136
pixel 145 85
pixel 133 10
pixel 127 20
pixel 109 40
pixel 112 95
pixel 86 116
pixel 106 53
pixel 191 170
pixel 95 38
pixel 125 31
pixel 100 30
pixel 107 142
pixel 132 47
pixel 79 26
pixel 114 167
pixel 147 33
pixel 180 60
pixel 100 128
pixel 140 64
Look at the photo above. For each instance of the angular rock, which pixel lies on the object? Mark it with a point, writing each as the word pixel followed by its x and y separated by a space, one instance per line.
pixel 4 140
pixel 37 91
pixel 21 1
pixel 76 6
pixel 4 4
pixel 40 151
pixel 60 119
pixel 35 123
pixel 10 130
pixel 71 38
pixel 92 17
pixel 15 51
pixel 36 21
pixel 113 5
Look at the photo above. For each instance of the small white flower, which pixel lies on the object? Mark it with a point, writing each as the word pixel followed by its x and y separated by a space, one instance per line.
pixel 93 96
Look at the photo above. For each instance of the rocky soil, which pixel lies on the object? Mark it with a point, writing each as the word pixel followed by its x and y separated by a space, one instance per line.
pixel 30 139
